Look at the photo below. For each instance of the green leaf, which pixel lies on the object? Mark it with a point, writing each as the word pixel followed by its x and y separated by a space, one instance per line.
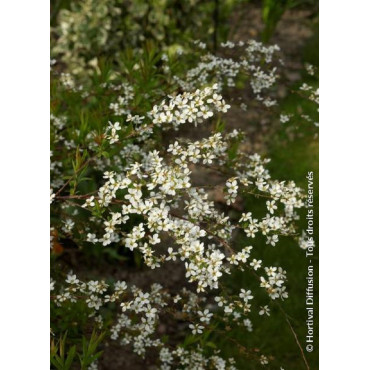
pixel 233 150
pixel 211 344
pixel 127 131
pixel 220 126
pixel 70 357
pixel 137 259
pixel 190 339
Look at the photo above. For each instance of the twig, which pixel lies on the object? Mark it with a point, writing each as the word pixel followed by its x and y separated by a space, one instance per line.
pixel 72 177
pixel 295 336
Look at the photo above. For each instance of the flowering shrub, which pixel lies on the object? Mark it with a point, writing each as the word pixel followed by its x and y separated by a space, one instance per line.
pixel 117 187
pixel 90 28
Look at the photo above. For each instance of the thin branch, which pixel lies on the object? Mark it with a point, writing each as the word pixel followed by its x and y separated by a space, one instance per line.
pixel 295 336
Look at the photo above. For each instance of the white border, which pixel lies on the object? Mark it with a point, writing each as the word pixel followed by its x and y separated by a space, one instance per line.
pixel 24 184
pixel 344 181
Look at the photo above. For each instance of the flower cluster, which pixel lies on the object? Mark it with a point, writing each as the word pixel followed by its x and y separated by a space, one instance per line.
pixel 138 315
pixel 310 93
pixel 189 107
pixel 136 323
pixel 157 191
pixel 82 29
pixel 121 105
pixel 226 70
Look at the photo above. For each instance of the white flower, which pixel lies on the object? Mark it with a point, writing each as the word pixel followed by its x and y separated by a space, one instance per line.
pixel 246 217
pixel 232 186
pixel 256 264
pixel 264 311
pixel 196 329
pixel 171 255
pixel 71 279
pixel 120 286
pixel 245 295
pixel 130 243
pixel 52 196
pixel 220 301
pixel 89 202
pixel 264 360
pixel 272 240
pixel 229 308
pixel 151 313
pixel 284 118
pixel 92 238
pixel 68 225
pixel 177 298
pixel 114 126
pixel 205 316
pixel 154 239
pixel 271 206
